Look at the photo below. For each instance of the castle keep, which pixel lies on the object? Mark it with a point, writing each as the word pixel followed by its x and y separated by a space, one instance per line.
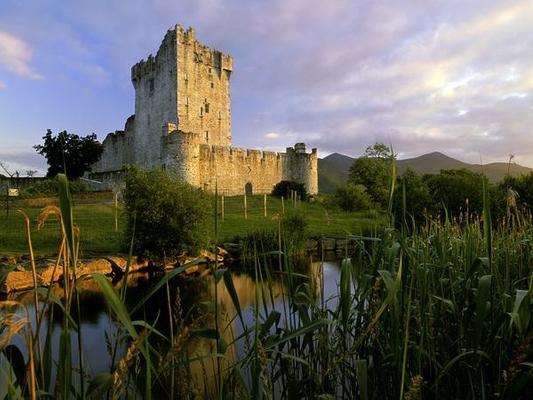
pixel 182 123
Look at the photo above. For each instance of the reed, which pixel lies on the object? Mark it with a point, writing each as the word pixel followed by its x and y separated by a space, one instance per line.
pixel 442 310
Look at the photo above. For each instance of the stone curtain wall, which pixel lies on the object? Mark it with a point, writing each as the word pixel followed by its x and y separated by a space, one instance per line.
pixel 203 90
pixel 182 123
pixel 232 168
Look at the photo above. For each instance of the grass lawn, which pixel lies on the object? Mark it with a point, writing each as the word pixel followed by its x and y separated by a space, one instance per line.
pixel 97 223
pixel 321 222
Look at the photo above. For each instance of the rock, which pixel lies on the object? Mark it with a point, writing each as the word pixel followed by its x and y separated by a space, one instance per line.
pixel 102 265
pixel 19 280
pixel 11 260
pixel 211 256
pixel 192 270
pixel 233 249
pixel 49 276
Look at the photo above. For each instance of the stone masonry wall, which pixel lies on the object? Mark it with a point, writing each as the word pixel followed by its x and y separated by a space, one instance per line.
pixel 155 82
pixel 234 170
pixel 118 149
pixel 203 90
pixel 302 167
pixel 182 123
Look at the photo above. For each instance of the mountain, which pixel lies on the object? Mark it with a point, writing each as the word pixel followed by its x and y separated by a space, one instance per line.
pixel 333 169
pixel 333 172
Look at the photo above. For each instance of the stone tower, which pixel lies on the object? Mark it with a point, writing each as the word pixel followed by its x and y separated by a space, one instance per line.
pixel 182 124
pixel 186 84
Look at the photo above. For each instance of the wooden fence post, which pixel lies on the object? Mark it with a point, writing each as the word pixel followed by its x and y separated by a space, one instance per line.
pixel 116 212
pixel 245 207
pixel 265 205
pixel 222 207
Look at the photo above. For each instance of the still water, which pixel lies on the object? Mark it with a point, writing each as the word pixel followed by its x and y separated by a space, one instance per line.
pixel 192 303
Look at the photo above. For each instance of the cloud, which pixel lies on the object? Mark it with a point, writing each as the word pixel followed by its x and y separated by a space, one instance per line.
pixel 2 85
pixel 22 160
pixel 272 135
pixel 15 55
pixel 446 75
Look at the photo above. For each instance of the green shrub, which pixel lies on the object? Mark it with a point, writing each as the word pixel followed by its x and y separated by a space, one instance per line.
pixel 284 189
pixel 49 188
pixel 170 216
pixel 353 198
pixel 294 227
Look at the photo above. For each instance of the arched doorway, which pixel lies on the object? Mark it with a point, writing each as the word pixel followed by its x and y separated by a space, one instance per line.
pixel 248 190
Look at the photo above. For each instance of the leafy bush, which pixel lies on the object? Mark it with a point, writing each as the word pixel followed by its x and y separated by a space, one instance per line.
pixel 49 188
pixel 170 216
pixel 294 227
pixel 284 189
pixel 353 198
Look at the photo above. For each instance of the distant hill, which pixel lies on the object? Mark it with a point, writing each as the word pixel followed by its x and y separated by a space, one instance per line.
pixel 333 169
pixel 333 172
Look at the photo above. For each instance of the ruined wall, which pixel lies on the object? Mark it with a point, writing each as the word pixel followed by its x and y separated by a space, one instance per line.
pixel 155 83
pixel 118 149
pixel 203 90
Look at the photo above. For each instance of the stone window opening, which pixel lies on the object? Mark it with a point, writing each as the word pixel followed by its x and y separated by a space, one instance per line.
pixel 212 85
pixel 206 106
pixel 151 85
pixel 209 70
pixel 201 111
pixel 207 136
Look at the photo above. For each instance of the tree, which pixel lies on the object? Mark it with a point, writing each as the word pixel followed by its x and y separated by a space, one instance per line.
pixel 69 153
pixel 284 188
pixel 169 216
pixel 373 170
pixel 457 190
pixel 412 199
pixel 352 198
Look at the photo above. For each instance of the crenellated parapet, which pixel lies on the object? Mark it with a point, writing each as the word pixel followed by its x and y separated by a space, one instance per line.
pixel 182 124
pixel 147 67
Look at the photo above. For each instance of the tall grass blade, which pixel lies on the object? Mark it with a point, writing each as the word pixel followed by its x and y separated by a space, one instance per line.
pixel 361 369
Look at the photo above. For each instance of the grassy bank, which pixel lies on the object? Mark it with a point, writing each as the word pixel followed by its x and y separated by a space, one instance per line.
pixel 443 311
pixel 95 215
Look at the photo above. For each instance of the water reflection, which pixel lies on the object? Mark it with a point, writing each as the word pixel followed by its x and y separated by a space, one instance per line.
pixel 191 302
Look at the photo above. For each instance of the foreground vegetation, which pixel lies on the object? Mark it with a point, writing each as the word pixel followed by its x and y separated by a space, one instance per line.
pixel 437 310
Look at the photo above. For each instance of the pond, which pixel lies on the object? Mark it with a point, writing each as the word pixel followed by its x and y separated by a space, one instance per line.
pixel 192 305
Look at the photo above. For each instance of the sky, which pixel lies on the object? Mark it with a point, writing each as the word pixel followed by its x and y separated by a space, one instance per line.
pixel 454 76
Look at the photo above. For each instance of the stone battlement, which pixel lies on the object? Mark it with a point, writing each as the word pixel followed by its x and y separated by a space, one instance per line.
pixel 182 123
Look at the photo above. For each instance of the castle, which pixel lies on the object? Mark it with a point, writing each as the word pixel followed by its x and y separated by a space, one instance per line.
pixel 182 123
